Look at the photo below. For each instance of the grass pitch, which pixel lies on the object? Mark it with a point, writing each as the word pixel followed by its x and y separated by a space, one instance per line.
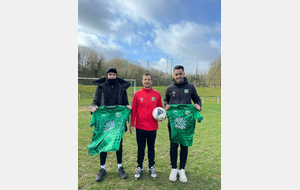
pixel 203 168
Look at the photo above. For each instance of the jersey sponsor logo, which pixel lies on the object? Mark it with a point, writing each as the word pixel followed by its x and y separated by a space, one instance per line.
pixel 153 98
pixel 179 123
pixel 109 126
pixel 142 99
pixel 186 91
pixel 103 115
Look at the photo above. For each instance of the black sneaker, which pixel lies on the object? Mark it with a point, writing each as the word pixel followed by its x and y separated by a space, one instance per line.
pixel 122 173
pixel 102 172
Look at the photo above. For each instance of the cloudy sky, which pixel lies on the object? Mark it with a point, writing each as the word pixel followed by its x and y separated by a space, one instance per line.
pixel 182 31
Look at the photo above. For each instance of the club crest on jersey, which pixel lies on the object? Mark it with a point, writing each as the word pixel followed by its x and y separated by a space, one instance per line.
pixel 186 91
pixel 118 114
pixel 187 112
pixel 142 99
pixel 153 98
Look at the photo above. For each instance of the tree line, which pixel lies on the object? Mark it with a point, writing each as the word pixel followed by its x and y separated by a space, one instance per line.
pixel 93 65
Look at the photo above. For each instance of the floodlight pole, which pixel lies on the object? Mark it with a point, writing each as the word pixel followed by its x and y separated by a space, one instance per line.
pixel 167 64
pixel 197 68
pixel 171 69
pixel 126 69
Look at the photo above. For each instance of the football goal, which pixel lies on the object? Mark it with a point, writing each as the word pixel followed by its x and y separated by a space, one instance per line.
pixel 89 81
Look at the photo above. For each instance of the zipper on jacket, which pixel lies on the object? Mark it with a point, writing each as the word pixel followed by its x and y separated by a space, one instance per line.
pixel 148 108
pixel 179 94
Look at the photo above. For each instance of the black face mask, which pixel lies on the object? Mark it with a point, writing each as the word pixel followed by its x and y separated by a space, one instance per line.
pixel 111 81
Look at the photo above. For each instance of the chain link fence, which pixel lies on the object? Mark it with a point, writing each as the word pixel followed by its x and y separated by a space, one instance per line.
pixel 197 82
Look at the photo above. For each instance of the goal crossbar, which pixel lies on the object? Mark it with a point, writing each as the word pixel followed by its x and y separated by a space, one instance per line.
pixel 129 80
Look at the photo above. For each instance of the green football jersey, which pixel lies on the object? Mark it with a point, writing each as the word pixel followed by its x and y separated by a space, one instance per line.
pixel 109 122
pixel 182 121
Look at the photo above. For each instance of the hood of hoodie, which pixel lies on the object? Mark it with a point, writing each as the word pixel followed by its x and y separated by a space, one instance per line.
pixel 185 81
pixel 102 81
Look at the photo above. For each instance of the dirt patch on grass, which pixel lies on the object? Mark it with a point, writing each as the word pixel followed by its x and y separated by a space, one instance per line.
pixel 84 108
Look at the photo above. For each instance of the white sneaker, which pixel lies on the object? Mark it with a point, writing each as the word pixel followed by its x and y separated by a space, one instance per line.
pixel 152 172
pixel 182 176
pixel 173 175
pixel 138 173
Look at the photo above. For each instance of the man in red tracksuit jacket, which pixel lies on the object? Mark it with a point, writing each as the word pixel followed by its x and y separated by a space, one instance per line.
pixel 143 103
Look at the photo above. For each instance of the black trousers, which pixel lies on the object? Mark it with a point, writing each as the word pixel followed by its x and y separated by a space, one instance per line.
pixel 141 138
pixel 103 155
pixel 174 152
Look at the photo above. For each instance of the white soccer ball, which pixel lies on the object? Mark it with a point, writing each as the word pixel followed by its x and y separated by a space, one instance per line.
pixel 159 113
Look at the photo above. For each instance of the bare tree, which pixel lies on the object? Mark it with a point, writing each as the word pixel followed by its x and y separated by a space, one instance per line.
pixel 92 64
pixel 214 73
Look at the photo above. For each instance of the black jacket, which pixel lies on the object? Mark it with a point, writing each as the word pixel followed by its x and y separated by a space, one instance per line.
pixel 101 93
pixel 181 93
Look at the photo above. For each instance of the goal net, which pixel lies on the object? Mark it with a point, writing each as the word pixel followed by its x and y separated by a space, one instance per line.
pixel 88 81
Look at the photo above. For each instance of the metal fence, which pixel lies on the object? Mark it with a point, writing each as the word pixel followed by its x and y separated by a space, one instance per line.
pixel 217 98
pixel 197 82
pixel 203 97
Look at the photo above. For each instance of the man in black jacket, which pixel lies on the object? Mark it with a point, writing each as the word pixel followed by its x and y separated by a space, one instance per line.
pixel 111 91
pixel 179 92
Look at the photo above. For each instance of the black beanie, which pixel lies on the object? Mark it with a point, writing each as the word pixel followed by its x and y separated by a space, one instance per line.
pixel 111 69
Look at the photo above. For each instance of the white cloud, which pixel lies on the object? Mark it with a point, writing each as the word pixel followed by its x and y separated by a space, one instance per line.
pixel 161 63
pixel 186 39
pixel 108 47
pixel 147 46
pixel 148 43
pixel 215 44
pixel 95 17
pixel 144 26
pixel 141 13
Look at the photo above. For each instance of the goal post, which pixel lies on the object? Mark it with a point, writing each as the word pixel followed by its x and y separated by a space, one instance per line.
pixel 128 80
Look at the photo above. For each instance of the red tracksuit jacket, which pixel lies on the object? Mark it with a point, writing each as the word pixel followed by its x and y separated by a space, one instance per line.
pixel 143 103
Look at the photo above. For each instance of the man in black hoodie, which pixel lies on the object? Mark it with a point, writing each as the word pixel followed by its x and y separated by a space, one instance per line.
pixel 179 92
pixel 111 91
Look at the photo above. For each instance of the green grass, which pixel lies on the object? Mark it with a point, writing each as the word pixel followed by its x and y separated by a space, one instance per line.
pixel 203 168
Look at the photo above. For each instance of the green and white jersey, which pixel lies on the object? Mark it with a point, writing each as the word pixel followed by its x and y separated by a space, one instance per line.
pixel 109 122
pixel 182 121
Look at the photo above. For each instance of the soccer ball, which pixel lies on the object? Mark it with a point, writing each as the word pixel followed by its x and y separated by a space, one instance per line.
pixel 159 113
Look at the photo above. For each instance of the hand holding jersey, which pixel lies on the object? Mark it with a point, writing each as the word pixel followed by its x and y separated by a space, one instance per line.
pixel 107 136
pixel 182 121
pixel 195 105
pixel 178 93
pixel 93 109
